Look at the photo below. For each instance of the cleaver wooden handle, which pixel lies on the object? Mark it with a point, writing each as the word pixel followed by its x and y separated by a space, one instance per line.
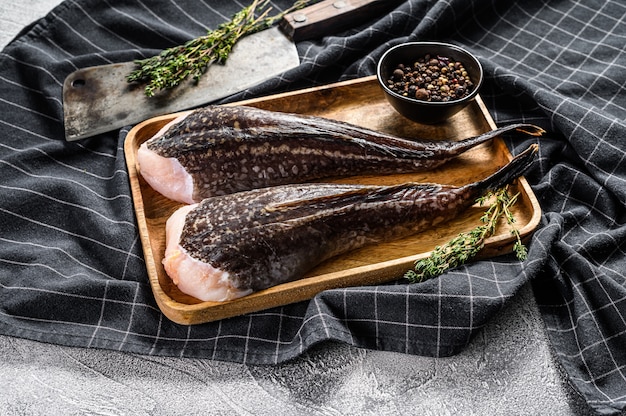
pixel 331 16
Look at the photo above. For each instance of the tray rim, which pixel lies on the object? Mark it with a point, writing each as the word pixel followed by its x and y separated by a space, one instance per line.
pixel 306 288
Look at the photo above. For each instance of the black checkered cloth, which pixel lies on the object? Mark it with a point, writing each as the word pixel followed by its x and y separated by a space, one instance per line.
pixel 71 264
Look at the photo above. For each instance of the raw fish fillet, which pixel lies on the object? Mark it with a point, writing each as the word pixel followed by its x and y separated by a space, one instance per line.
pixel 219 150
pixel 229 246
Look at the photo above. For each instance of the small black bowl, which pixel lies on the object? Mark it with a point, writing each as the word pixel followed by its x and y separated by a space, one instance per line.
pixel 421 111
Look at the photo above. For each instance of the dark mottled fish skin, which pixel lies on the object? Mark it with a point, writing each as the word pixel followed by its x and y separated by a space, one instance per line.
pixel 269 236
pixel 232 149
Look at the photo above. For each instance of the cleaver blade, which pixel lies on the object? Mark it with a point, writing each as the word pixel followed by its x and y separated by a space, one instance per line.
pixel 98 99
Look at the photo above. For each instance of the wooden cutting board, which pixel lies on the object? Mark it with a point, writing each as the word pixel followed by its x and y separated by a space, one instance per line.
pixel 360 102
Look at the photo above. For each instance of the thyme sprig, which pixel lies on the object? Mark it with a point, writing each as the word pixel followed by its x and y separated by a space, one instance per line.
pixel 467 245
pixel 174 65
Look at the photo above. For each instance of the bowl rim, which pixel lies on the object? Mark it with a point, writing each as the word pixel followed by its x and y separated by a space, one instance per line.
pixel 464 51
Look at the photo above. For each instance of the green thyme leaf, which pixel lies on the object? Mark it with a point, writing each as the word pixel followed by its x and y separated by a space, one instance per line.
pixel 174 65
pixel 465 246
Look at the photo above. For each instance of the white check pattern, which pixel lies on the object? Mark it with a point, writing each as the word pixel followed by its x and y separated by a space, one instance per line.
pixel 71 265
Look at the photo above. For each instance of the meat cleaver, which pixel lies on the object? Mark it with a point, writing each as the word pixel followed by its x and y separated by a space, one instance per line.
pixel 99 99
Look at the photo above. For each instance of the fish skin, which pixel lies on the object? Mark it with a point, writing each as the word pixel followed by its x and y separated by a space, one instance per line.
pixel 231 149
pixel 269 236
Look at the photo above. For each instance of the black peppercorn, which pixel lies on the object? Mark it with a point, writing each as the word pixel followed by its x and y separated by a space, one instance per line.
pixel 431 78
pixel 398 74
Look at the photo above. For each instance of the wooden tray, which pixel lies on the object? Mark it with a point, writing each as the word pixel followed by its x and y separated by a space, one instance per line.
pixel 360 102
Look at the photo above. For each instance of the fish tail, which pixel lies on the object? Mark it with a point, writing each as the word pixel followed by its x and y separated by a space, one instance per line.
pixel 505 175
pixel 529 129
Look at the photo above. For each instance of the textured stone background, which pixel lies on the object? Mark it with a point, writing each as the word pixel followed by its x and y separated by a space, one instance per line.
pixel 507 370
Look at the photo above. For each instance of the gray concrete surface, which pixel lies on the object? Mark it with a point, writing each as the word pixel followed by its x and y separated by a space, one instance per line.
pixel 507 370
